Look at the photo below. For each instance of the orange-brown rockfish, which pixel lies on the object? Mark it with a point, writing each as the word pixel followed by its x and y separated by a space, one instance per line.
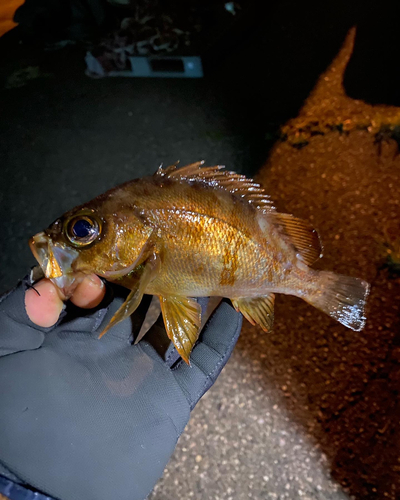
pixel 192 232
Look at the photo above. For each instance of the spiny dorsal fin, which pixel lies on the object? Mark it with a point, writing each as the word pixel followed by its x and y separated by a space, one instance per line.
pixel 182 319
pixel 239 185
pixel 257 310
pixel 301 234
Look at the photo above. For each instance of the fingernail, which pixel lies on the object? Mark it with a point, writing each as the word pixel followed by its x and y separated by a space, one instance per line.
pixel 95 280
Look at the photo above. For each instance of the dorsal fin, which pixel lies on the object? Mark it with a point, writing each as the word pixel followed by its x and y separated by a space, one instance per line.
pixel 301 234
pixel 239 185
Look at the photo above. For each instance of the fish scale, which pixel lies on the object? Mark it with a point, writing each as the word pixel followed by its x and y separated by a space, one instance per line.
pixel 195 261
pixel 190 232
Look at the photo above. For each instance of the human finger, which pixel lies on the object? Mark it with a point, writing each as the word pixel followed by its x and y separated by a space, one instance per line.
pixel 89 293
pixel 43 303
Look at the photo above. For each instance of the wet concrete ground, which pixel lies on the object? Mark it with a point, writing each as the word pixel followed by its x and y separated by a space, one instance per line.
pixel 307 412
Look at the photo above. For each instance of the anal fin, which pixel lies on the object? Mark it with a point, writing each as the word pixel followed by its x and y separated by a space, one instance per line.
pixel 257 310
pixel 182 319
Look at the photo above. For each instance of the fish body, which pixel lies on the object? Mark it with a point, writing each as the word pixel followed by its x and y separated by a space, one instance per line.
pixel 190 232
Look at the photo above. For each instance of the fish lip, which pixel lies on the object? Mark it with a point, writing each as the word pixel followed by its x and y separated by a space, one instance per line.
pixel 40 246
pixel 56 261
pixel 35 244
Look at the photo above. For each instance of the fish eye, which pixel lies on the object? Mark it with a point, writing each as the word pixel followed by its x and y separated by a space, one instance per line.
pixel 82 230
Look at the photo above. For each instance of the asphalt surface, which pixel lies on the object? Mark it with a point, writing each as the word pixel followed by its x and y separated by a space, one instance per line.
pixel 308 412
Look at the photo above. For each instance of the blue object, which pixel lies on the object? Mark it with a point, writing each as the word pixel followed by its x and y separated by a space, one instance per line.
pixel 150 67
pixel 55 382
pixel 15 491
pixel 167 67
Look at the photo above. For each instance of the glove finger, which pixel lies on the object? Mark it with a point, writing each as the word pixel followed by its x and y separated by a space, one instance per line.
pixel 12 303
pixel 97 319
pixel 18 332
pixel 157 337
pixel 210 355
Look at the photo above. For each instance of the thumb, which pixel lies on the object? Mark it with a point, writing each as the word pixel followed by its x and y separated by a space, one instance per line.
pixel 43 302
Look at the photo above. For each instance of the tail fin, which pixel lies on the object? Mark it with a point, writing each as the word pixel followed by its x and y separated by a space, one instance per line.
pixel 342 297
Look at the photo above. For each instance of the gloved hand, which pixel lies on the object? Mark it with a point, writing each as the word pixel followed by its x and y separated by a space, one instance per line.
pixel 89 419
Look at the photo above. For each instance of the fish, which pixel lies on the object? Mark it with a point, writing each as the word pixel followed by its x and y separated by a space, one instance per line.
pixel 195 231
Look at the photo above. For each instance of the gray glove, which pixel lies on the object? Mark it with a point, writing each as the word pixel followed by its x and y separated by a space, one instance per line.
pixel 89 419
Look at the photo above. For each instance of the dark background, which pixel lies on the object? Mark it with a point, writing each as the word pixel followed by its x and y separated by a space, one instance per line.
pixel 66 138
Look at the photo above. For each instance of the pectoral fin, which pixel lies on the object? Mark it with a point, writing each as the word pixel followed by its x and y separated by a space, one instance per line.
pixel 182 319
pixel 143 275
pixel 257 310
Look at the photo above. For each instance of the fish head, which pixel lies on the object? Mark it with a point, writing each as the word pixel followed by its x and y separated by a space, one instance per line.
pixel 59 249
pixel 90 239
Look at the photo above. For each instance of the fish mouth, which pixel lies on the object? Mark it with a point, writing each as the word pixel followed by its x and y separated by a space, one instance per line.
pixel 56 262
